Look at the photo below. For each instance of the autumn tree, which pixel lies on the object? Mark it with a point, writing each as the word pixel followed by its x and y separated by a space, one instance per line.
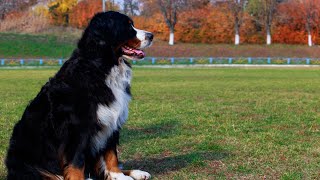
pixel 60 10
pixel 169 10
pixel 130 7
pixel 7 6
pixel 268 11
pixel 149 8
pixel 83 12
pixel 264 11
pixel 86 9
pixel 311 14
pixel 289 26
pixel 110 5
pixel 237 9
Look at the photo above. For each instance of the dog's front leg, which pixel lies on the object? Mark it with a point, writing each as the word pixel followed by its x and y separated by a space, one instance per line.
pixel 114 173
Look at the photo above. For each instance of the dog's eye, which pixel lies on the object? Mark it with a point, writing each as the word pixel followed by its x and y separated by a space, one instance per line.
pixel 131 23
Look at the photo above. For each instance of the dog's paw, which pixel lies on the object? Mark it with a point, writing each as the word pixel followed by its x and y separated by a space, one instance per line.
pixel 119 176
pixel 140 175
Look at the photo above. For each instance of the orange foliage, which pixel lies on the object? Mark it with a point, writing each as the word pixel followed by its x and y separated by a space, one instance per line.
pixel 14 14
pixel 290 27
pixel 83 12
pixel 24 21
pixel 203 25
pixel 154 24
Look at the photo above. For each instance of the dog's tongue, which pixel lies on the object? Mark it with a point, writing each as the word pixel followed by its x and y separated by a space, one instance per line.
pixel 139 53
pixel 133 52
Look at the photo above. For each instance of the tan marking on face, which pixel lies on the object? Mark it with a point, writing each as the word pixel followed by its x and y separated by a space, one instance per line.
pixel 134 43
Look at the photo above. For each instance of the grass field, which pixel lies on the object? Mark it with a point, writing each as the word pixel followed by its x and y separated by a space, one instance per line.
pixel 52 46
pixel 35 46
pixel 204 123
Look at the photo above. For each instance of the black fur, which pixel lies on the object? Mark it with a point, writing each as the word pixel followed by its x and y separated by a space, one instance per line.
pixel 62 117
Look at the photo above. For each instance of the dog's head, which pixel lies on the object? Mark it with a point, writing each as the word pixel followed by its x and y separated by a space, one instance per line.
pixel 116 30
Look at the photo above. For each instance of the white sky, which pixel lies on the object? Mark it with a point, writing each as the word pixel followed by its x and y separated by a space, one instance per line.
pixel 119 1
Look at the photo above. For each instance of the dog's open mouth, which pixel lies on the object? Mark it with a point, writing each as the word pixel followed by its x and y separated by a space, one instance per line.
pixel 132 53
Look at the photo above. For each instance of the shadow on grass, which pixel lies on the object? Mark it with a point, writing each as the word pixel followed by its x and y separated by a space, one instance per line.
pixel 198 156
pixel 160 129
pixel 158 166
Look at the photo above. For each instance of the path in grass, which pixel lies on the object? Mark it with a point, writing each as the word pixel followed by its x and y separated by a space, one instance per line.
pixel 204 123
pixel 50 46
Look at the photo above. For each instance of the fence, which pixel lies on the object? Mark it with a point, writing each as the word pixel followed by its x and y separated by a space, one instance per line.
pixel 177 61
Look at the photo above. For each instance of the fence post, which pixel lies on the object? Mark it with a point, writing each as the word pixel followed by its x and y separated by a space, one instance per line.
pixel 172 60
pixel 288 61
pixel 230 61
pixel 2 62
pixel 308 61
pixel 249 60
pixel 153 60
pixel 269 60
pixel 40 62
pixel 191 60
pixel 60 61
pixel 21 61
pixel 210 60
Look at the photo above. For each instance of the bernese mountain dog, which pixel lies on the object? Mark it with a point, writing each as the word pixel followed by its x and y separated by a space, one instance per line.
pixel 70 130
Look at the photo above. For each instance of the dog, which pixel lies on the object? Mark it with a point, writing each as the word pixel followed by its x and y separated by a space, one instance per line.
pixel 70 130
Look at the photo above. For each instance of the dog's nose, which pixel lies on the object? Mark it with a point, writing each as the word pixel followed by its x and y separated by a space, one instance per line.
pixel 149 36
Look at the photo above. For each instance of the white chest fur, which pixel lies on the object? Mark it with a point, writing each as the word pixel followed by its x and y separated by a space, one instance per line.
pixel 113 116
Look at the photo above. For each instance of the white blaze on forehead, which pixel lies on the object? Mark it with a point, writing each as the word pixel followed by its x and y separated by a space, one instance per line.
pixel 141 35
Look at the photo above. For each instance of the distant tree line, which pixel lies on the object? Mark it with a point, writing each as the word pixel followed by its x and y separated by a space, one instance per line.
pixel 196 21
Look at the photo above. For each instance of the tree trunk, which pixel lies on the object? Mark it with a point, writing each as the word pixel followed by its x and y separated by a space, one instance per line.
pixel 171 38
pixel 268 39
pixel 104 5
pixel 309 32
pixel 237 36
pixel 268 36
pixel 237 39
pixel 67 20
pixel 309 39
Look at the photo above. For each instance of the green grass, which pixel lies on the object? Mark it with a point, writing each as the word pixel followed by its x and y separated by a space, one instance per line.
pixel 204 123
pixel 35 46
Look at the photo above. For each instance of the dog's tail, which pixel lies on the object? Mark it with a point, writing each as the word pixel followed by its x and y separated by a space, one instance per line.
pixel 47 175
